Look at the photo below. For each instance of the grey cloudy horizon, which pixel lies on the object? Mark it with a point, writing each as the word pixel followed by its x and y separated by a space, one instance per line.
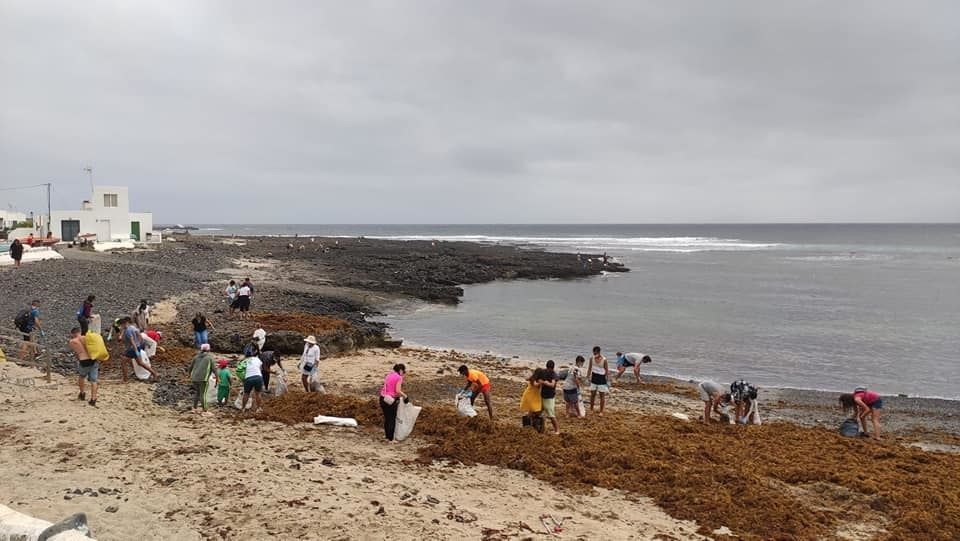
pixel 487 112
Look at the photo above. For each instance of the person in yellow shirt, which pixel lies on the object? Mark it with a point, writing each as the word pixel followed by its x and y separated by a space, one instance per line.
pixel 477 383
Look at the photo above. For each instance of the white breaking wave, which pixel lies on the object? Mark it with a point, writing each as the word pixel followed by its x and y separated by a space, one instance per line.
pixel 613 244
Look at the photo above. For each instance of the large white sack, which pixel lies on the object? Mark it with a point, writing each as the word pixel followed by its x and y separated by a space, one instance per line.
pixel 239 401
pixel 149 344
pixel 335 421
pixel 464 407
pixel 16 526
pixel 281 386
pixel 212 390
pixel 140 372
pixel 406 417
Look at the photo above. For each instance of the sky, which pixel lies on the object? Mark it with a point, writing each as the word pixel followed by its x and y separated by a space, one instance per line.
pixel 502 111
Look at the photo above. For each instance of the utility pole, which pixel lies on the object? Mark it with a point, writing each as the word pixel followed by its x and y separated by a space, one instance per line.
pixel 89 171
pixel 49 212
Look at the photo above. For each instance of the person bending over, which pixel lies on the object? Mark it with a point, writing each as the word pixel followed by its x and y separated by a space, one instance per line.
pixel 865 402
pixel 712 395
pixel 630 360
pixel 477 383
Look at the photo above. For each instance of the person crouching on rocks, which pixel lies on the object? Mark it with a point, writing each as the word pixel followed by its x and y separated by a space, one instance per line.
pixel 390 395
pixel 200 369
pixel 477 383
pixel 309 361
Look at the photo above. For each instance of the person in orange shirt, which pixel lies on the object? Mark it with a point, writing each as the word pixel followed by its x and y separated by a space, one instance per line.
pixel 477 383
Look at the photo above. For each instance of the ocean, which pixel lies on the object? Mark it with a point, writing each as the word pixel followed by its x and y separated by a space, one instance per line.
pixel 824 306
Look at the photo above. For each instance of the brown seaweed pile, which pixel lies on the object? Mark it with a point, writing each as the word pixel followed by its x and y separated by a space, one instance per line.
pixel 776 481
pixel 174 356
pixel 300 322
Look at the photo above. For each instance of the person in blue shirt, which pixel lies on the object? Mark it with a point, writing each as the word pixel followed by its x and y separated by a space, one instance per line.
pixel 26 325
pixel 133 345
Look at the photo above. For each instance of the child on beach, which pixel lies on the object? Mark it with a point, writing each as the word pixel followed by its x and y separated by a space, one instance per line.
pixel 231 294
pixel 598 378
pixel 223 382
pixel 571 387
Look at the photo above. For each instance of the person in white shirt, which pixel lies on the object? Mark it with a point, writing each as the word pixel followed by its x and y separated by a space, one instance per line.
pixel 630 360
pixel 252 381
pixel 259 336
pixel 243 300
pixel 309 361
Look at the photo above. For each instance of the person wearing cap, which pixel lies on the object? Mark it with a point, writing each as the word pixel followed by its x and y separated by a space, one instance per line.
pixel 630 360
pixel 200 369
pixel 309 361
pixel 223 382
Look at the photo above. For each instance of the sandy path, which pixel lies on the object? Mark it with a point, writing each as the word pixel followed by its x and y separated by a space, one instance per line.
pixel 181 476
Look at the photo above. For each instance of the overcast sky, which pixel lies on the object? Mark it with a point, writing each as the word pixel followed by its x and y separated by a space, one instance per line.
pixel 487 112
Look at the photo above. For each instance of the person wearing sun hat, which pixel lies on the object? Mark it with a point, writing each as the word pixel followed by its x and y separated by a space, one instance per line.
pixel 309 361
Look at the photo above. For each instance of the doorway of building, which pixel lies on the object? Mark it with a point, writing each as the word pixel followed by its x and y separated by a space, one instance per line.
pixel 135 231
pixel 69 229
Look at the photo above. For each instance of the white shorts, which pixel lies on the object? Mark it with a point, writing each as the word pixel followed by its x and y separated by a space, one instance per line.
pixel 603 389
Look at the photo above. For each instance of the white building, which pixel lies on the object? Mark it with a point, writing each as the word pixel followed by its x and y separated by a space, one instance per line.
pixel 9 217
pixel 107 215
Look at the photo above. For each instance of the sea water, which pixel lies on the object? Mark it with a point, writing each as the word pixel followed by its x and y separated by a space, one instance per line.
pixel 819 306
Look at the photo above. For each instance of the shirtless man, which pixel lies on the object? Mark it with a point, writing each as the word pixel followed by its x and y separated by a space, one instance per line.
pixel 87 368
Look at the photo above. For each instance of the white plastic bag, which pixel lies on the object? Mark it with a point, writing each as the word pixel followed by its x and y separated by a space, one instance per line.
pixel 406 417
pixel 212 390
pixel 335 421
pixel 149 344
pixel 140 372
pixel 281 385
pixel 314 382
pixel 464 407
pixel 581 409
pixel 239 401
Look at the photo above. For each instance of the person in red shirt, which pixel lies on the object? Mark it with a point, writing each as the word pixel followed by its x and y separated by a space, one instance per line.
pixel 864 402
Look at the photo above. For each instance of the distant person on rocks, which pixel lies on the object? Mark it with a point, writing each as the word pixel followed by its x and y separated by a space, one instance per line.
pixel 390 396
pixel 201 329
pixel 269 359
pixel 864 402
pixel 478 384
pixel 28 320
pixel 571 387
pixel 87 368
pixel 599 372
pixel 16 252
pixel 85 314
pixel 223 382
pixel 259 336
pixel 133 344
pixel 141 316
pixel 630 360
pixel 548 395
pixel 243 300
pixel 252 383
pixel 231 294
pixel 30 240
pixel 712 395
pixel 201 367
pixel 309 361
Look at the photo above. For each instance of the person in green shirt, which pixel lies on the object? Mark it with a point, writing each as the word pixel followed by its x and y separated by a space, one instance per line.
pixel 200 369
pixel 223 382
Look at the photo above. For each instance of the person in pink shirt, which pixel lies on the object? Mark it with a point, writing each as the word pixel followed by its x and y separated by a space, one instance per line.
pixel 864 402
pixel 390 395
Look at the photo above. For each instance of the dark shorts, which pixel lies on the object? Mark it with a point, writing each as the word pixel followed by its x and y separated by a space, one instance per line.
pixel 253 383
pixel 130 353
pixel 878 405
pixel 26 337
pixel 571 396
pixel 243 303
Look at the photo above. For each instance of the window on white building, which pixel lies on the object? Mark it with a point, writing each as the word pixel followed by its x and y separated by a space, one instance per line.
pixel 109 199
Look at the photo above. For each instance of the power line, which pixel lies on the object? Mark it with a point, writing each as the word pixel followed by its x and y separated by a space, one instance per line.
pixel 24 187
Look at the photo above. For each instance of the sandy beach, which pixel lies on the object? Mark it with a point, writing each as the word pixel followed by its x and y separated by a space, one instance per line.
pixel 640 472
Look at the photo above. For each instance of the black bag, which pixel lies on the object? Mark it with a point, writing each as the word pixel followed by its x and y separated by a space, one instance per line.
pixel 22 320
pixel 850 428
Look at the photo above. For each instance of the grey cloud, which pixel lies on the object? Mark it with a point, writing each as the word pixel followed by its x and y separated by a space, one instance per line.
pixel 489 112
